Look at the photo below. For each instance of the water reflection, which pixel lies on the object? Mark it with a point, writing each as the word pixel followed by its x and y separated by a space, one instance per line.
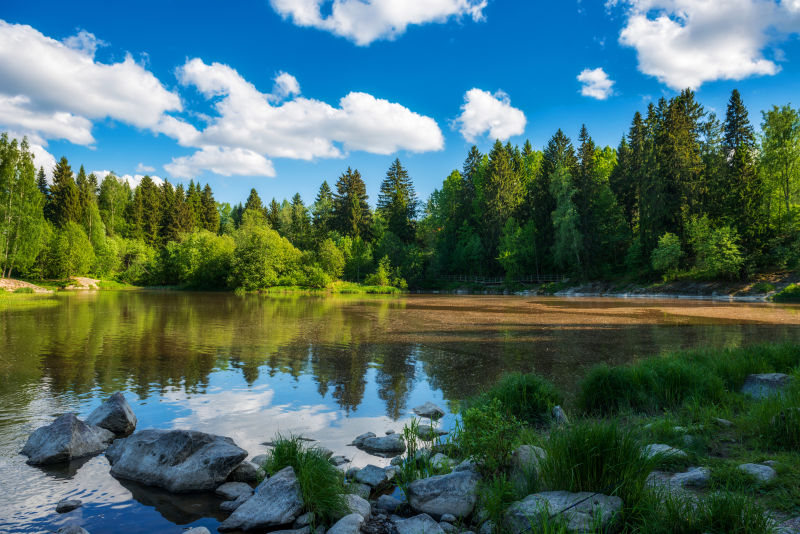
pixel 326 368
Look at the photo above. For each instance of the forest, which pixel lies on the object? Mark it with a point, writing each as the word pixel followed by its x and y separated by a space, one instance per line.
pixel 684 194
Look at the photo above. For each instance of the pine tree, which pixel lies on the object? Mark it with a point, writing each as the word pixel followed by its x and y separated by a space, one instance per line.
pixel 254 202
pixel 586 189
pixel 322 212
pixel 274 216
pixel 65 195
pixel 208 206
pixel 300 223
pixel 397 202
pixel 351 213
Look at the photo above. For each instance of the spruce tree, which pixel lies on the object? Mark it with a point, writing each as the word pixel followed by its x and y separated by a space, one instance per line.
pixel 351 213
pixel 208 206
pixel 65 196
pixel 397 202
pixel 322 212
pixel 254 202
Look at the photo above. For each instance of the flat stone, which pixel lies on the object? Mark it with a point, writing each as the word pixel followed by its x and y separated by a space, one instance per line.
pixel 429 410
pixel 388 503
pixel 197 530
pixel 68 505
pixel 723 422
pixel 115 415
pixel 762 473
pixel 65 439
pixel 72 528
pixel 362 490
pixel 372 476
pixel 384 444
pixel 448 528
pixel 339 460
pixel 389 432
pixel 765 385
pixel 277 501
pixel 179 461
pixel 420 524
pixel 349 524
pixel 427 431
pixel 233 490
pixel 358 505
pixel 247 472
pixel 360 439
pixel 656 449
pixel 695 477
pixel 580 511
pixel 455 494
pixel 448 518
pixel 230 506
pixel 791 526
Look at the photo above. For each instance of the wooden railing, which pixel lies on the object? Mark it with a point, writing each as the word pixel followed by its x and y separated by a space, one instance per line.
pixel 487 280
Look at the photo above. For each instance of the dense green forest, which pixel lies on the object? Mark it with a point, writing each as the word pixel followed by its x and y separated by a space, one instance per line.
pixel 684 194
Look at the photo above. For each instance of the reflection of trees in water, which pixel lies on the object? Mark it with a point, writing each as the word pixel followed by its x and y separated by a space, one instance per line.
pixel 151 342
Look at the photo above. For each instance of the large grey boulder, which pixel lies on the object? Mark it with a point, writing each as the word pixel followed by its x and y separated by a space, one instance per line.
pixel 387 503
pixel 392 444
pixel 277 501
pixel 349 524
pixel 64 439
pixel 419 524
pixel 454 493
pixel 372 476
pixel 67 505
pixel 429 410
pixel 358 505
pixel 359 440
pixel 247 472
pixel 665 451
pixel 115 414
pixel 582 512
pixel 765 385
pixel 525 461
pixel 694 477
pixel 233 490
pixel 762 473
pixel 179 461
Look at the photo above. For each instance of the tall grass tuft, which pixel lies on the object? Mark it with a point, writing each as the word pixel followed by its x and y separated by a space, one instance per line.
pixel 776 419
pixel 597 456
pixel 321 483
pixel 529 398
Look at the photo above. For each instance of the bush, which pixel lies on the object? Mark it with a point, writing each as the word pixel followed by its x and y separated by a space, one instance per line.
pixel 597 456
pixel 527 397
pixel 262 258
pixel 321 484
pixel 488 435
pixel 330 259
pixel 789 294
pixel 381 275
pixel 71 252
pixel 667 256
pixel 716 250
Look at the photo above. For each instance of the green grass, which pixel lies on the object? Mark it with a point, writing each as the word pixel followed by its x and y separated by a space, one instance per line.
pixel 789 294
pixel 321 483
pixel 527 397
pixel 762 287
pixel 25 301
pixel 776 419
pixel 24 291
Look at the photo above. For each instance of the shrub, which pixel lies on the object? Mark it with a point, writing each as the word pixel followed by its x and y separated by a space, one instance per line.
pixel 597 456
pixel 488 435
pixel 381 275
pixel 667 256
pixel 716 249
pixel 527 397
pixel 330 258
pixel 262 258
pixel 321 484
pixel 789 294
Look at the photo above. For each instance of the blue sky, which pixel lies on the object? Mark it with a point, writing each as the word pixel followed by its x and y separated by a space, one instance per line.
pixel 197 97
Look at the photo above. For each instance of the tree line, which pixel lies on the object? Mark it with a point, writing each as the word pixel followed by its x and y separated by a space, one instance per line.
pixel 684 192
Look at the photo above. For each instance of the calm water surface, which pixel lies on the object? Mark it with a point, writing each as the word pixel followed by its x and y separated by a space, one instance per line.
pixel 328 368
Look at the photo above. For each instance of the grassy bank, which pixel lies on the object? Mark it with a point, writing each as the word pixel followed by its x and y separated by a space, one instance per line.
pixel 687 400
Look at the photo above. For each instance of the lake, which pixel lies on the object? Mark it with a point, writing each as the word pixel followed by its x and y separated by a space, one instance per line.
pixel 327 368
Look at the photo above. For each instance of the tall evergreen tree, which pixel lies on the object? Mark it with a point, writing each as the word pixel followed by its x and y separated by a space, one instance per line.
pixel 65 196
pixel 397 202
pixel 208 206
pixel 254 202
pixel 351 213
pixel 322 212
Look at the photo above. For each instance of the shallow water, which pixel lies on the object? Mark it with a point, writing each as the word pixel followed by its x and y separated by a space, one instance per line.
pixel 328 368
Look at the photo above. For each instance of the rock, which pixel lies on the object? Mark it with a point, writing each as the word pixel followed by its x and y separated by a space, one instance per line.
pixel 427 431
pixel 351 473
pixel 372 476
pixel 656 449
pixel 525 461
pixel 358 505
pixel 339 460
pixel 447 527
pixel 580 511
pixel 723 422
pixel 197 530
pixel 454 493
pixel 179 461
pixel 429 410
pixel 304 520
pixel 115 415
pixel 378 524
pixel 488 527
pixel 388 503
pixel 792 526
pixel 389 432
pixel 560 416
pixel 420 524
pixel 324 452
pixel 448 518
pixel 277 501
pixel 68 505
pixel 230 506
pixel 467 465
pixel 72 528
pixel 397 461
pixel 695 477
pixel 247 472
pixel 362 490
pixel 384 444
pixel 360 439
pixel 762 473
pixel 260 460
pixel 765 385
pixel 65 439
pixel 349 524
pixel 440 461
pixel 233 490
pixel 391 471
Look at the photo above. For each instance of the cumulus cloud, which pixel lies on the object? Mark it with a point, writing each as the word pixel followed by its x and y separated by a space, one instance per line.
pixel 286 85
pixel 224 161
pixel 44 159
pixel 484 112
pixel 685 43
pixel 56 89
pixel 365 21
pixel 595 83
pixel 249 123
pixel 141 167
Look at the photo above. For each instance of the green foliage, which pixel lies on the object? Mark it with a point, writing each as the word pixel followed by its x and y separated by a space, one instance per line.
pixel 321 484
pixel 71 252
pixel 568 241
pixel 261 257
pixel 716 249
pixel 24 290
pixel 719 512
pixel 528 398
pixel 666 258
pixel 495 494
pixel 488 435
pixel 776 419
pixel 202 260
pixel 790 293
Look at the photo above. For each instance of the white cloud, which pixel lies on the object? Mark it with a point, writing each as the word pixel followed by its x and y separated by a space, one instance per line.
pixel 224 161
pixel 56 88
pixel 365 21
pixel 249 123
pixel 285 85
pixel 44 159
pixel 595 83
pixel 685 43
pixel 141 167
pixel 484 112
